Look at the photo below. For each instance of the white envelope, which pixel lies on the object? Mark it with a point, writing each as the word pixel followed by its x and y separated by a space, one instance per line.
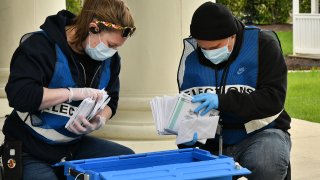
pixel 205 127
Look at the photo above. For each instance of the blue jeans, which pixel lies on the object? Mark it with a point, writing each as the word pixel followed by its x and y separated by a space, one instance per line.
pixel 90 147
pixel 266 154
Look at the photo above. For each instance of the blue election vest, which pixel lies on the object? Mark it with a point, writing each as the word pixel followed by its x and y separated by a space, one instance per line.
pixel 49 125
pixel 195 78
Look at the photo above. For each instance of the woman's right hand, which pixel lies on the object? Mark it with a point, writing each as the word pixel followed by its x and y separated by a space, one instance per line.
pixel 77 94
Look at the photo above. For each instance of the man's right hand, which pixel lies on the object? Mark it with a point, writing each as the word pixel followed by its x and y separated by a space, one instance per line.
pixel 78 94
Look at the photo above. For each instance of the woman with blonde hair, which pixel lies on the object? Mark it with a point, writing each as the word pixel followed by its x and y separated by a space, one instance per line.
pixel 52 71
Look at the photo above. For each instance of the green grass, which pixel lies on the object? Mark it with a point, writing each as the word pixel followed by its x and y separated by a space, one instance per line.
pixel 285 38
pixel 303 95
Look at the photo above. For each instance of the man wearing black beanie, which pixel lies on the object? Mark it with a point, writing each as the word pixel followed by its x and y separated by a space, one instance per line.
pixel 239 71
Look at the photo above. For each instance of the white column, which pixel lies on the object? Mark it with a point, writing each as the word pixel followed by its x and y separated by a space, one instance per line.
pixel 295 7
pixel 150 62
pixel 314 6
pixel 295 11
pixel 17 18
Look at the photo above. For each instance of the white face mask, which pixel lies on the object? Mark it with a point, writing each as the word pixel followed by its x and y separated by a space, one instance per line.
pixel 217 56
pixel 101 52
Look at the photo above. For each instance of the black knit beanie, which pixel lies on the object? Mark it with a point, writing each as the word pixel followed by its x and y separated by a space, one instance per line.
pixel 212 21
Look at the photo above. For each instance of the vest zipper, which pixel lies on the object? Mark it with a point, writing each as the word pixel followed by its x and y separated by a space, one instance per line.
pixel 95 76
pixel 84 74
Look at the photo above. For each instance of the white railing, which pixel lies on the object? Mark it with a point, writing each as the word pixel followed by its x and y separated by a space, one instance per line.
pixel 306 34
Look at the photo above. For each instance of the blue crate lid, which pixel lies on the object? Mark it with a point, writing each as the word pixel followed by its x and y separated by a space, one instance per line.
pixel 173 164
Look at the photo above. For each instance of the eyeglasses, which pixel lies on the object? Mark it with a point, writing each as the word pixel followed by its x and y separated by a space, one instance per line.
pixel 126 31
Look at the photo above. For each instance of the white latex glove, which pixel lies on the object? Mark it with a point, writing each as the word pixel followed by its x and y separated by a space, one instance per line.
pixel 83 126
pixel 77 94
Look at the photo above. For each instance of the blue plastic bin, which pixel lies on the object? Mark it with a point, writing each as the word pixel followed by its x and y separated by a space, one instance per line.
pixel 163 165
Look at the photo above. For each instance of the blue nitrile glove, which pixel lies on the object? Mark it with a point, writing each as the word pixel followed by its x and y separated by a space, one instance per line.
pixel 194 140
pixel 210 101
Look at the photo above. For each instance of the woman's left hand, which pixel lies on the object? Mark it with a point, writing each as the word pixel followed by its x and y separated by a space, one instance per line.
pixel 83 126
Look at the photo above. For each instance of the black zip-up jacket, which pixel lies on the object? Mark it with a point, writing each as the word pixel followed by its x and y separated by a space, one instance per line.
pixel 270 94
pixel 32 68
pixel 33 64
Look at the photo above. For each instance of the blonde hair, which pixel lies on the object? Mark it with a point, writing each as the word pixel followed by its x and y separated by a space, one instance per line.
pixel 113 11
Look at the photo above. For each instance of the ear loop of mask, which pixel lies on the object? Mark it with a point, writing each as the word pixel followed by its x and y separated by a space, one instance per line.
pixel 232 45
pixel 228 45
pixel 100 39
pixel 90 42
pixel 90 33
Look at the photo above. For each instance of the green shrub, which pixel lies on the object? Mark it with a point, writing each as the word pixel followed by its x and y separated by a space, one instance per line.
pixel 237 7
pixel 305 6
pixel 260 11
pixel 73 6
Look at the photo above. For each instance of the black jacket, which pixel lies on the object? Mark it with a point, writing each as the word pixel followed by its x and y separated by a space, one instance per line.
pixel 33 64
pixel 269 97
pixel 32 68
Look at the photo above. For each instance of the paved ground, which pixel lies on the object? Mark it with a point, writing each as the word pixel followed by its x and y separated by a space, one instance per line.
pixel 305 157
